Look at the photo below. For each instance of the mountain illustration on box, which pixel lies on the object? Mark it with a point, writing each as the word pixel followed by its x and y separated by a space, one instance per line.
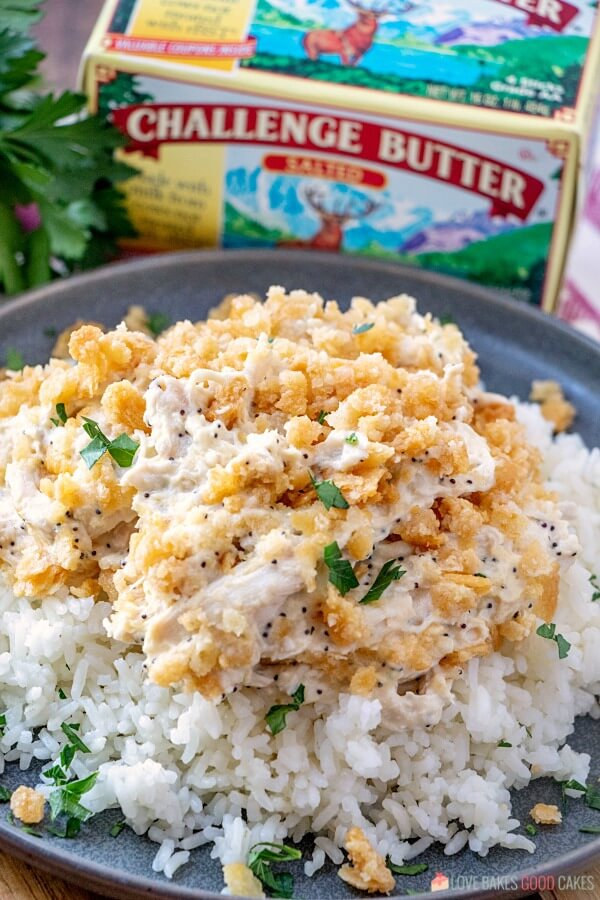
pixel 405 46
pixel 264 210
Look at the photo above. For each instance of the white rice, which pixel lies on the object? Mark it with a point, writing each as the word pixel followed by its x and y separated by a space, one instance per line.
pixel 186 769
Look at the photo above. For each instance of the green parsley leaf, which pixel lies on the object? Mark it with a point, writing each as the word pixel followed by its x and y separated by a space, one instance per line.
pixel 117 828
pixel 590 829
pixel 61 414
pixel 5 794
pixel 592 798
pixel 56 775
pixel 360 329
pixel 329 494
pixel 94 451
pixel 410 869
pixel 389 572
pixel 321 417
pixel 563 646
pixel 479 575
pixel 260 859
pixel 446 319
pixel 67 755
pixel 71 828
pixel 157 323
pixel 50 332
pixel 276 717
pixel 573 785
pixel 71 732
pixel 548 631
pixel 14 359
pixel 123 450
pixel 341 573
pixel 65 801
pixel 504 744
pixel 352 439
pixel 2 724
pixel 531 829
pixel 596 587
pixel 61 694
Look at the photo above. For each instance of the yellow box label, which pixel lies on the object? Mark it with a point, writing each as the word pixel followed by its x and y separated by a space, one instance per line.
pixel 206 35
pixel 175 201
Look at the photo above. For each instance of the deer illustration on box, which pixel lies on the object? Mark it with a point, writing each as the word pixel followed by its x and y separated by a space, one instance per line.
pixel 330 235
pixel 350 43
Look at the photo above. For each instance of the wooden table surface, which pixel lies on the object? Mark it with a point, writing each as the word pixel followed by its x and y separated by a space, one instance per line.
pixel 62 35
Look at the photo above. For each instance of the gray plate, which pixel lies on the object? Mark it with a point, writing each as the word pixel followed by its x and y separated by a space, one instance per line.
pixel 515 343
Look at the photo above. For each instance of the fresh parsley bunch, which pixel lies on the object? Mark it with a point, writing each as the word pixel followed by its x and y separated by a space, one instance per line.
pixel 59 207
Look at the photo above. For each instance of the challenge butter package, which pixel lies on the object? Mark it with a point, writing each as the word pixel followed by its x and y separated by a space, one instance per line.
pixel 445 135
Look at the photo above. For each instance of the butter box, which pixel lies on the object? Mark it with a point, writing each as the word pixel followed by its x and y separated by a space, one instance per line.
pixel 447 136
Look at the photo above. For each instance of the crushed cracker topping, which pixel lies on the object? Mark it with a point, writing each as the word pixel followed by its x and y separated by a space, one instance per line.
pixel 546 814
pixel 211 545
pixel 367 870
pixel 27 805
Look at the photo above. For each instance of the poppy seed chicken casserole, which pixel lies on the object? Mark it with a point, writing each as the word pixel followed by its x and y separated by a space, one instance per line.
pixel 284 493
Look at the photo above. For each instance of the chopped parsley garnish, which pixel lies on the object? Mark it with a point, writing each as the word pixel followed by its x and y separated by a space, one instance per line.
pixel 590 829
pixel 389 572
pixel 2 724
pixel 446 319
pixel 276 717
pixel 414 869
pixel 531 829
pixel 61 694
pixel 14 359
pixel 71 733
pixel 504 744
pixel 5 794
pixel 352 439
pixel 117 828
pixel 321 417
pixel 260 858
pixel 61 415
pixel 573 785
pixel 548 631
pixel 592 798
pixel 122 449
pixel 479 575
pixel 596 587
pixel 329 494
pixel 341 573
pixel 59 773
pixel 157 323
pixel 51 332
pixel 65 801
pixel 360 329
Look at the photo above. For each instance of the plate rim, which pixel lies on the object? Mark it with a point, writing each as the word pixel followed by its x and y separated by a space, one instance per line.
pixel 161 260
pixel 115 882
